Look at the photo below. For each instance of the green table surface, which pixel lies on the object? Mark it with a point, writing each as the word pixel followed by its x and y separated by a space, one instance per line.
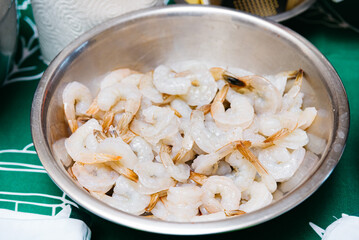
pixel 25 186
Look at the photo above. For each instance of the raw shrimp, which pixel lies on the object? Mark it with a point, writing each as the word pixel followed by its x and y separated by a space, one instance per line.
pixel 115 76
pixel 125 197
pixel 148 90
pixel 179 172
pixel 280 163
pixel 267 179
pixel 207 140
pixel 244 172
pixel 95 177
pixel 117 147
pixel 158 123
pixel 183 202
pixel 294 140
pixel 109 96
pixel 293 98
pixel 280 80
pixel 166 81
pixel 258 196
pixel 142 149
pixel 203 88
pixel 240 114
pixel 77 99
pixel 153 176
pixel 182 108
pixel 267 98
pixel 179 149
pixel 208 164
pixel 60 152
pixel 76 143
pixel 223 168
pixel 230 194
pixel 307 117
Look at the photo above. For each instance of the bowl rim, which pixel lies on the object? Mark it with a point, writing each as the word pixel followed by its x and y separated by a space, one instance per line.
pixel 292 199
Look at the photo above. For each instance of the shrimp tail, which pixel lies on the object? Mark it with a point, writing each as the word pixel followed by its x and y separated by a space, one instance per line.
pixel 92 158
pixel 198 178
pixel 73 125
pixel 128 173
pixel 107 120
pixel 94 108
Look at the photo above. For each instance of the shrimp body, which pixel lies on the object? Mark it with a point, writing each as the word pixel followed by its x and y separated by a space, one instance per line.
pixel 257 196
pixel 125 197
pixel 76 143
pixel 207 140
pixel 183 201
pixel 154 176
pixel 280 163
pixel 77 99
pixel 109 96
pixel 230 194
pixel 203 86
pixel 179 172
pixel 158 123
pixel 244 172
pixel 240 114
pixel 95 177
pixel 115 76
pixel 208 164
pixel 165 80
pixel 142 149
pixel 148 90
pixel 117 147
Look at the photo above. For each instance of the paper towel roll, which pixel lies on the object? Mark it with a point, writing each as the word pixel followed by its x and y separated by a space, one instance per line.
pixel 61 21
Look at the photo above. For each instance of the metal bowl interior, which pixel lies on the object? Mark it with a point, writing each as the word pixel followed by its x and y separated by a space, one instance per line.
pixel 144 39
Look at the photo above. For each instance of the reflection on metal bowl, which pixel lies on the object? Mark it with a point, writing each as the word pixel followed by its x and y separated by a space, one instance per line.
pixel 144 39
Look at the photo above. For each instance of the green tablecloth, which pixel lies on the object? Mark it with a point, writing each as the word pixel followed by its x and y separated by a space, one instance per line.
pixel 25 186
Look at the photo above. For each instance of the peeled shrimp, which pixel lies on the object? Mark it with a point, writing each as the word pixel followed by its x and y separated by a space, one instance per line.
pixel 117 147
pixel 257 196
pixel 95 177
pixel 77 99
pixel 209 141
pixel 115 76
pixel 208 164
pixel 280 163
pixel 153 176
pixel 125 197
pixel 142 149
pixel 76 143
pixel 267 98
pixel 244 172
pixel 230 194
pixel 240 114
pixel 166 81
pixel 148 90
pixel 158 123
pixel 109 96
pixel 203 86
pixel 179 172
pixel 183 202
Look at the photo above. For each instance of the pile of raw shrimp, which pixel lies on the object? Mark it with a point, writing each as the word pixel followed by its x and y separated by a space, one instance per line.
pixel 187 142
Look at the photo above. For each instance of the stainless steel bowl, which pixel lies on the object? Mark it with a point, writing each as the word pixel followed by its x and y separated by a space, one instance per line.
pixel 145 39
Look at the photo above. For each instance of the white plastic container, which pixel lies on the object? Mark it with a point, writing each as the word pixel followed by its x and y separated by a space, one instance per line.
pixel 61 21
